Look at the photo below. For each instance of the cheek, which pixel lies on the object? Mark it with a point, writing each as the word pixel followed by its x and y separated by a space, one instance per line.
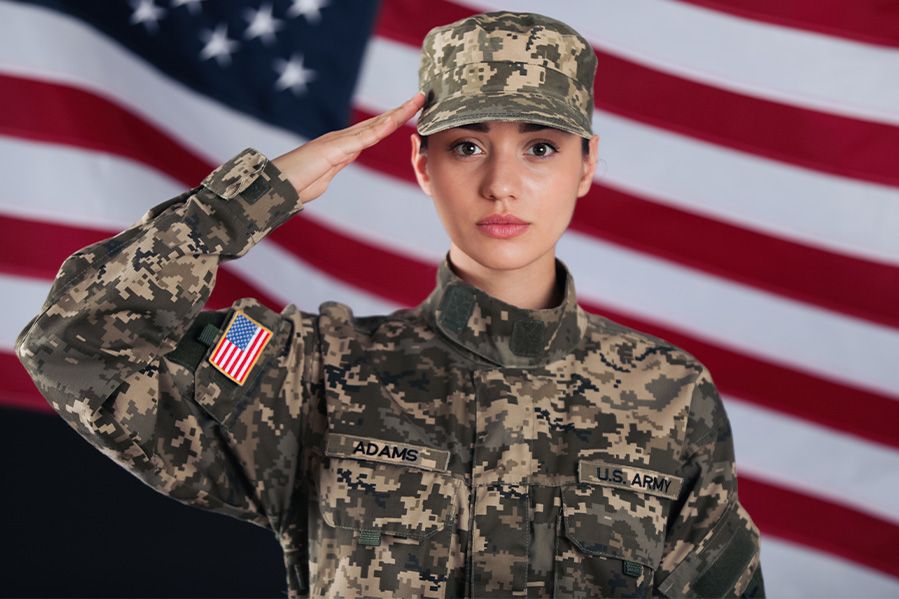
pixel 450 203
pixel 557 195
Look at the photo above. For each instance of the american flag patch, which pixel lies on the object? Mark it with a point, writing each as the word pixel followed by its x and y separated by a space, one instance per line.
pixel 240 347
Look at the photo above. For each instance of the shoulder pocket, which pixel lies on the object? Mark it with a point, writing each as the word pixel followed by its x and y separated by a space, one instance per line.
pixel 722 563
pixel 218 394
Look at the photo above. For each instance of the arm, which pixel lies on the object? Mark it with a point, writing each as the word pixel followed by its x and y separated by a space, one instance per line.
pixel 712 545
pixel 101 349
pixel 118 351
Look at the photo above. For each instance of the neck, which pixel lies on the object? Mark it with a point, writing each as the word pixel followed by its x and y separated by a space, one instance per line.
pixel 532 287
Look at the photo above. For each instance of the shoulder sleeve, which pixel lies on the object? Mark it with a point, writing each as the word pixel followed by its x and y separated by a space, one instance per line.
pixel 711 545
pixel 121 349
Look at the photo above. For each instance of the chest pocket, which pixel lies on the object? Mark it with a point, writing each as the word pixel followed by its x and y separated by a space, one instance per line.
pixel 392 527
pixel 611 536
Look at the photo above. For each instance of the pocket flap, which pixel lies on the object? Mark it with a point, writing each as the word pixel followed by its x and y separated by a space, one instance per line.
pixel 607 521
pixel 385 498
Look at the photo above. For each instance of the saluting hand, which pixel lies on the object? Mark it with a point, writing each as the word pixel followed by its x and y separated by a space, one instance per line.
pixel 311 166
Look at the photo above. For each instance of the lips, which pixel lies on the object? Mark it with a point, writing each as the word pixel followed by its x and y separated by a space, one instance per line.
pixel 502 226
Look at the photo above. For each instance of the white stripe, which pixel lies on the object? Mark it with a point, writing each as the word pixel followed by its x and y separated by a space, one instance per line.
pixel 101 190
pixel 735 316
pixel 244 357
pixel 224 351
pixel 250 355
pixel 288 279
pixel 220 351
pixel 787 65
pixel 231 364
pixel 237 362
pixel 45 45
pixel 813 460
pixel 792 570
pixel 827 211
pixel 29 296
pixel 231 351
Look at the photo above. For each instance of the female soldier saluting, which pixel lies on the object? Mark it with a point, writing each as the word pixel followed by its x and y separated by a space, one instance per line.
pixel 495 440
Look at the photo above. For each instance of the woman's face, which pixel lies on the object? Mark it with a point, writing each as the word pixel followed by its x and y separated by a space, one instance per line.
pixel 504 171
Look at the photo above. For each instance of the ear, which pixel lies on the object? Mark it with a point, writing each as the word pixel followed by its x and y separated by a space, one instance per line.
pixel 588 167
pixel 420 164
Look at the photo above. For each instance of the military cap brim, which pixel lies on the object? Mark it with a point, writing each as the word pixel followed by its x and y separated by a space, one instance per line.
pixel 533 108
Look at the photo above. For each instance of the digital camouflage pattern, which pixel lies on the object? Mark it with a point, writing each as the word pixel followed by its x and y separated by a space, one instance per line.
pixel 507 66
pixel 464 447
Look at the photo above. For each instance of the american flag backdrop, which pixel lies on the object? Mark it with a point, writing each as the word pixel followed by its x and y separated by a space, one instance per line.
pixel 746 206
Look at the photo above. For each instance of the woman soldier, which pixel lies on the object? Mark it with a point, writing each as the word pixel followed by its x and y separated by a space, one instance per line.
pixel 495 440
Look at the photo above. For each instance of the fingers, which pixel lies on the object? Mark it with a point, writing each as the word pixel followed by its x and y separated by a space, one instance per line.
pixel 374 129
pixel 312 166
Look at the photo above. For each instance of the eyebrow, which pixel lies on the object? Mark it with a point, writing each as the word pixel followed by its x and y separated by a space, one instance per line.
pixel 522 128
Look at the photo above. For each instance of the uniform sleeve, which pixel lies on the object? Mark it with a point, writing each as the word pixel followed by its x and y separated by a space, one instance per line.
pixel 711 545
pixel 118 349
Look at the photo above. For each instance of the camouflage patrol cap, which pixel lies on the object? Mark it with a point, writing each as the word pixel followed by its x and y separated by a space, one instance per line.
pixel 512 66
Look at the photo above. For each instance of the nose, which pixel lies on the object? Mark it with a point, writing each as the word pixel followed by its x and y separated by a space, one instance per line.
pixel 500 177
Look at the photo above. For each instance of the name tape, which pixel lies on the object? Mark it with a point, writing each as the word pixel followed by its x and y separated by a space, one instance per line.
pixel 389 452
pixel 622 476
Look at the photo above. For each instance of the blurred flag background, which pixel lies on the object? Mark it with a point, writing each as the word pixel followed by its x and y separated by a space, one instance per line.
pixel 746 208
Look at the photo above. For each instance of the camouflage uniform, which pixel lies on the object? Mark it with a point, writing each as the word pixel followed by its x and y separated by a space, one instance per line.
pixel 462 447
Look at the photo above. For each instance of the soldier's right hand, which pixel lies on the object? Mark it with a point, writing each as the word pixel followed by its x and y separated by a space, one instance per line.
pixel 310 167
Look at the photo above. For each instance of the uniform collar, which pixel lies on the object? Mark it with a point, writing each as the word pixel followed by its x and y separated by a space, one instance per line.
pixel 499 332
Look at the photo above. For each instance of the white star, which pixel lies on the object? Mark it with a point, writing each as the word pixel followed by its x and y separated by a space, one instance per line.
pixel 218 45
pixel 262 24
pixel 310 9
pixel 192 5
pixel 293 74
pixel 147 13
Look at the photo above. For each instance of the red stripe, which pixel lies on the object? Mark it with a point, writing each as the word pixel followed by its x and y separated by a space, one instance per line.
pixel 251 355
pixel 229 359
pixel 214 358
pixel 221 353
pixel 241 358
pixel 778 512
pixel 763 261
pixel 819 523
pixel 816 276
pixel 64 114
pixel 809 138
pixel 872 22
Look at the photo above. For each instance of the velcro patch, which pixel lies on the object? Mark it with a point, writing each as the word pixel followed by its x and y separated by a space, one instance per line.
pixel 622 476
pixel 240 347
pixel 390 452
pixel 632 569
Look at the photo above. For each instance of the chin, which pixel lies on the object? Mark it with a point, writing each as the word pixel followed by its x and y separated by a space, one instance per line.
pixel 502 255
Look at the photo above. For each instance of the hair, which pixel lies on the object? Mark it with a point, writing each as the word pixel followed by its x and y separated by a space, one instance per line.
pixel 585 144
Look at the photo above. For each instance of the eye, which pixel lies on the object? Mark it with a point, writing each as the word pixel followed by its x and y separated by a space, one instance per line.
pixel 466 148
pixel 543 148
